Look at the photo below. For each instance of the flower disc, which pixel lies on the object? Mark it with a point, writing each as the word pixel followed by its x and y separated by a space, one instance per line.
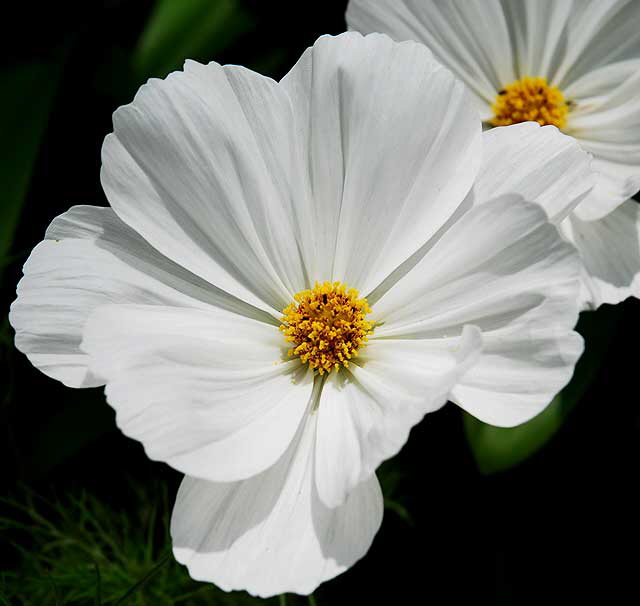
pixel 326 325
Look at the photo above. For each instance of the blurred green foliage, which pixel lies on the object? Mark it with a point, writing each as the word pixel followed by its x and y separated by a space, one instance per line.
pixel 78 550
pixel 189 29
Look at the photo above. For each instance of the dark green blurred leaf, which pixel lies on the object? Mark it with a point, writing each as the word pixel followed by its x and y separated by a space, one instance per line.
pixel 25 103
pixel 497 449
pixel 390 478
pixel 188 29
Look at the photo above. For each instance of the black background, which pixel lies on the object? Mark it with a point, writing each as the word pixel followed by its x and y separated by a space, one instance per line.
pixel 560 528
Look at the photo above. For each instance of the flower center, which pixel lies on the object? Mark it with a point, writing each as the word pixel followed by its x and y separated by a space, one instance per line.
pixel 530 99
pixel 326 325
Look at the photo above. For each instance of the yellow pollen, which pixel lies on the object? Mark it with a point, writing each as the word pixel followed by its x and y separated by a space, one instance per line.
pixel 530 99
pixel 326 326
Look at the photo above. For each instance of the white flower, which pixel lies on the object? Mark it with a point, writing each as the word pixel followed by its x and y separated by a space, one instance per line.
pixel 231 194
pixel 571 63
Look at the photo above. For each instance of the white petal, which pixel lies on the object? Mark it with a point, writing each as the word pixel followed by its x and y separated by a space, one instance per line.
pixel 539 163
pixel 616 183
pixel 610 250
pixel 271 534
pixel 90 258
pixel 613 117
pixel 209 392
pixel 470 37
pixel 598 33
pixel 606 122
pixel 365 414
pixel 538 30
pixel 202 165
pixel 525 363
pixel 597 87
pixel 391 145
pixel 504 268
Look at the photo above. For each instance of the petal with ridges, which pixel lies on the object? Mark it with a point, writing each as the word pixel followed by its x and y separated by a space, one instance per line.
pixel 381 180
pixel 271 534
pixel 90 258
pixel 504 268
pixel 610 251
pixel 209 392
pixel 471 38
pixel 365 414
pixel 202 164
pixel 598 33
pixel 539 163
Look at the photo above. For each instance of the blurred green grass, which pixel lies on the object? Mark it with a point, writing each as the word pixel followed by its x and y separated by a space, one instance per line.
pixel 77 550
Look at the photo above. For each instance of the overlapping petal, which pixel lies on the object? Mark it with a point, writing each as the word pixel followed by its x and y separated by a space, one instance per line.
pixel 366 413
pixel 538 31
pixel 202 165
pixel 232 192
pixel 598 33
pixel 91 258
pixel 606 121
pixel 471 37
pixel 610 251
pixel 516 280
pixel 207 391
pixel 271 534
pixel 539 163
pixel 382 180
pixel 589 49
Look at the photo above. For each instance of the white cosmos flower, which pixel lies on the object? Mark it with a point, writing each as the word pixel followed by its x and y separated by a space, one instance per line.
pixel 588 53
pixel 231 194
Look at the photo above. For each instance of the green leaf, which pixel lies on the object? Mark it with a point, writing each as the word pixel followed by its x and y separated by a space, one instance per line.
pixel 188 29
pixel 498 449
pixel 28 91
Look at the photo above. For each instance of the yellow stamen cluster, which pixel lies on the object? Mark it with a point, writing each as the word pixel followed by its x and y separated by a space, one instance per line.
pixel 326 325
pixel 530 99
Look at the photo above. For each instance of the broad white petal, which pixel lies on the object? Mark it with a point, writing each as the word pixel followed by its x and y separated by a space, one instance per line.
pixel 504 268
pixel 610 251
pixel 470 37
pixel 391 145
pixel 202 164
pixel 209 392
pixel 525 363
pixel 539 163
pixel 89 258
pixel 271 534
pixel 365 414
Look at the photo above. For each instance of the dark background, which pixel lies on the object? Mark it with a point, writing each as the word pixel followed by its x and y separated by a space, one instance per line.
pixel 560 527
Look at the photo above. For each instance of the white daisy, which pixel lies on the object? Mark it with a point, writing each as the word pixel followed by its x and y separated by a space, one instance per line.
pixel 215 299
pixel 574 64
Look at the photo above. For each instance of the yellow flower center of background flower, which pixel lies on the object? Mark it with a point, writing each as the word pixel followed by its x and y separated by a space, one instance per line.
pixel 326 325
pixel 530 99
